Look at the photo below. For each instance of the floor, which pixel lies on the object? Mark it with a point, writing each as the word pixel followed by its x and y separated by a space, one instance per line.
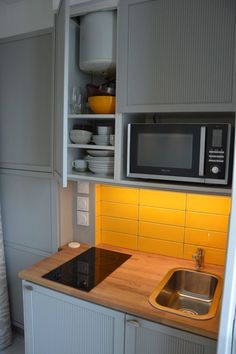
pixel 17 346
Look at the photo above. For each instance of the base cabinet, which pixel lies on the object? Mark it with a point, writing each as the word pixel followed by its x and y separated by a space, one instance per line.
pixel 143 336
pixel 58 323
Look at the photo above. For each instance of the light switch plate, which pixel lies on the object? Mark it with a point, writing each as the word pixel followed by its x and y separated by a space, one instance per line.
pixel 83 203
pixel 83 218
pixel 83 187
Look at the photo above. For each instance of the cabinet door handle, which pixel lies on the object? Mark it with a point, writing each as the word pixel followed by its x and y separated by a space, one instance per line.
pixel 28 287
pixel 133 323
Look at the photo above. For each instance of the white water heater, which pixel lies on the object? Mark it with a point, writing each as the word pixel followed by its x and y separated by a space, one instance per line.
pixel 98 42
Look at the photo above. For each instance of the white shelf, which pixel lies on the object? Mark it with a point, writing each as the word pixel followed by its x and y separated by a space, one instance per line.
pixel 92 116
pixel 75 176
pixel 91 147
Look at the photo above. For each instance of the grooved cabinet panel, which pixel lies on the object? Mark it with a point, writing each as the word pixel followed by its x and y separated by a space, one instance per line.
pixel 57 323
pixel 26 103
pixel 152 338
pixel 175 53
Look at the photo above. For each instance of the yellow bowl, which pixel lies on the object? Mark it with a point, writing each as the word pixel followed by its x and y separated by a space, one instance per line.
pixel 102 104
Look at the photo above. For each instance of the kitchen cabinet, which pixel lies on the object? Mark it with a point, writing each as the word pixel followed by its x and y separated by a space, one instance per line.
pixel 147 337
pixel 29 216
pixel 28 191
pixel 67 76
pixel 176 56
pixel 57 323
pixel 26 102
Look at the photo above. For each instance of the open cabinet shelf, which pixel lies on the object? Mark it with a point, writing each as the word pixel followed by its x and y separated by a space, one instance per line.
pixel 89 176
pixel 92 116
pixel 91 147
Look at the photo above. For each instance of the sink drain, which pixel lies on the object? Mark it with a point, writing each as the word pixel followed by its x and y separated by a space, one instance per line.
pixel 188 311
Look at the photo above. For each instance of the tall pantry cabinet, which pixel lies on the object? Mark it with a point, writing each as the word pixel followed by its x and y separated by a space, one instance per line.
pixel 28 192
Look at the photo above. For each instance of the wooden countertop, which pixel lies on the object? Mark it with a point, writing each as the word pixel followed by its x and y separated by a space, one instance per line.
pixel 128 288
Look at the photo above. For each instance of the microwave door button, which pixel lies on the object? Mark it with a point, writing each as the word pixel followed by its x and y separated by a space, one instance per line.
pixel 202 151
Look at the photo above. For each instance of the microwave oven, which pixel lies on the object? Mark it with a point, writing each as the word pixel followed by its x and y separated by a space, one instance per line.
pixel 199 153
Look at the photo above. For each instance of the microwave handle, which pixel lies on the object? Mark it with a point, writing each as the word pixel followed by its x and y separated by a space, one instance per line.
pixel 202 151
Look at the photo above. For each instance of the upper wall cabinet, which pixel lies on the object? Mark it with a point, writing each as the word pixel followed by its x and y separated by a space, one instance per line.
pixel 26 102
pixel 82 47
pixel 176 55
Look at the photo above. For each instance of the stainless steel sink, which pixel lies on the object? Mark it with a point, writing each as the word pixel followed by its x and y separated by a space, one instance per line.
pixel 188 293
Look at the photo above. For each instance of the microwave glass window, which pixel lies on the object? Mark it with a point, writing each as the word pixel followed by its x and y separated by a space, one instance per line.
pixel 217 138
pixel 165 150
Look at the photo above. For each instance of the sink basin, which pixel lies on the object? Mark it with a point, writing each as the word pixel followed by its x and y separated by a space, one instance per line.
pixel 188 293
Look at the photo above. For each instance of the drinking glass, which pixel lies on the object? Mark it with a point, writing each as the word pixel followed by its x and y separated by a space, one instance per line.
pixel 76 100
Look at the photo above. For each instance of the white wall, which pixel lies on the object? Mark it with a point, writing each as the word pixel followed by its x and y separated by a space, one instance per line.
pixel 24 16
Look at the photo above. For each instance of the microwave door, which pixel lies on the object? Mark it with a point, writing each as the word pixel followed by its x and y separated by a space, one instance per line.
pixel 166 151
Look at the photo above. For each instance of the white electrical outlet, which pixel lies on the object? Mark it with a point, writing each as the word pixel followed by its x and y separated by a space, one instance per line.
pixel 83 203
pixel 83 187
pixel 83 218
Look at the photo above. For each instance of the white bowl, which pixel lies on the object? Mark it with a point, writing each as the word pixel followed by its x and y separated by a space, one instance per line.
pixel 80 136
pixel 101 139
pixel 104 170
pixel 104 130
pixel 100 153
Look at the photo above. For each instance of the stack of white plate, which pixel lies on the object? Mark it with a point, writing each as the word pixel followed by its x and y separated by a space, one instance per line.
pixel 101 165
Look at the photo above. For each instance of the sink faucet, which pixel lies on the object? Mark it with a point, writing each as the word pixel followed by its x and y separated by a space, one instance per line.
pixel 199 258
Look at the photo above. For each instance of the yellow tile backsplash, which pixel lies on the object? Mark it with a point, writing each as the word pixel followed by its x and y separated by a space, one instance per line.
pixel 208 204
pixel 159 199
pixel 167 223
pixel 165 248
pixel 119 239
pixel 130 211
pixel 162 216
pixel 162 232
pixel 212 255
pixel 119 225
pixel 214 222
pixel 120 195
pixel 205 238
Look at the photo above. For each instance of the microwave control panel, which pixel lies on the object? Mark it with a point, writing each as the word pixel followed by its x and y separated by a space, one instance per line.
pixel 217 151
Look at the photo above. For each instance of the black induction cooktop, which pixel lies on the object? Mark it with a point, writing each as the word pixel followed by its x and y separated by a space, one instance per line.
pixel 88 269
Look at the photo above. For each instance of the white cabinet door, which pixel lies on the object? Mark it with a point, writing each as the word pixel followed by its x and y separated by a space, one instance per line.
pixel 61 91
pixel 176 55
pixel 143 336
pixel 59 324
pixel 26 102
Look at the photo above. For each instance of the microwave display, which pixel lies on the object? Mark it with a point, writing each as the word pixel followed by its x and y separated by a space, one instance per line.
pixel 180 152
